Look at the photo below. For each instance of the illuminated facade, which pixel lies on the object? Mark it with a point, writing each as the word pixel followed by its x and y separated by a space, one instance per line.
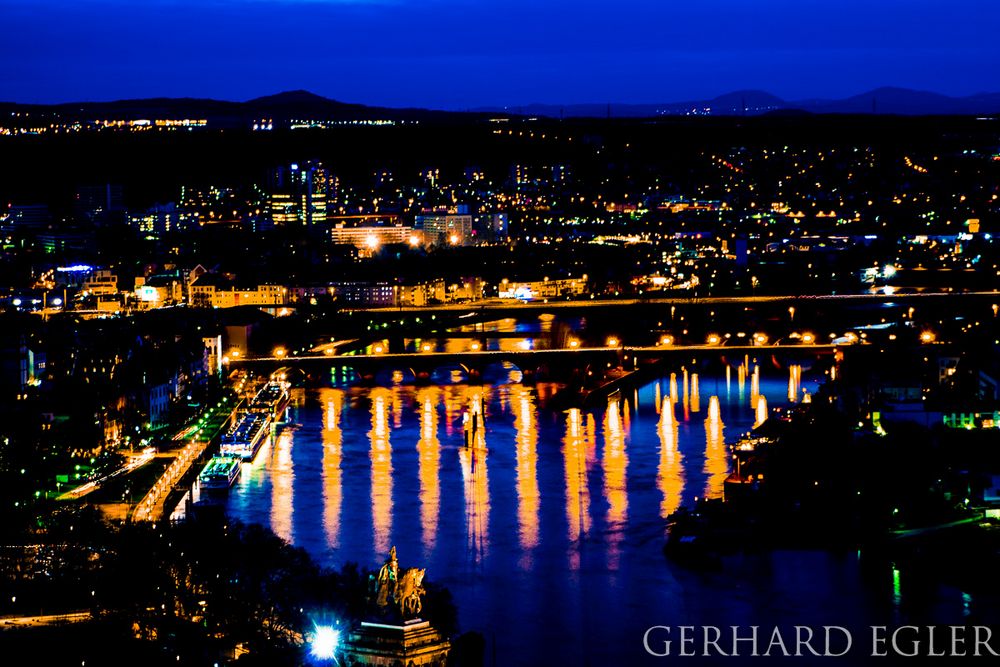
pixel 299 194
pixel 369 239
pixel 446 229
pixel 209 291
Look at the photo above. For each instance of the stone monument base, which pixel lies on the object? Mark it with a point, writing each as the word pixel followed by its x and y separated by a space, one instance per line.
pixel 412 644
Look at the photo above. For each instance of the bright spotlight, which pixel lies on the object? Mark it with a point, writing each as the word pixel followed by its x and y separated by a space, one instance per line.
pixel 325 642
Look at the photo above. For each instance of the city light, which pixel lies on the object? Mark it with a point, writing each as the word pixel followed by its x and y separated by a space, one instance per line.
pixel 808 338
pixel 713 339
pixel 574 343
pixel 612 341
pixel 927 337
pixel 453 239
pixel 371 242
pixel 760 338
pixel 474 346
pixel 280 352
pixel 325 642
pixel 414 241
pixel 666 340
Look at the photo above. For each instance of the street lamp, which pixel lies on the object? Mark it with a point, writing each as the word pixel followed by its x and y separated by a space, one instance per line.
pixel 613 341
pixel 325 642
pixel 808 338
pixel 279 352
pixel 666 340
pixel 927 337
pixel 713 339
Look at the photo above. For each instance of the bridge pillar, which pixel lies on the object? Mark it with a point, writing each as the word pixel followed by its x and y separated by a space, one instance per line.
pixel 396 344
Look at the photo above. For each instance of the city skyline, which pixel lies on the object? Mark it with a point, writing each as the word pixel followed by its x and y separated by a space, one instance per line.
pixel 456 55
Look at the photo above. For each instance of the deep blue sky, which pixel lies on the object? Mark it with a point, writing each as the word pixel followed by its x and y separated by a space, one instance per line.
pixel 460 54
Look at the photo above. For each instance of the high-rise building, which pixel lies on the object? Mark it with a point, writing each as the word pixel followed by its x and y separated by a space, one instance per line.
pixel 370 238
pixel 447 229
pixel 99 204
pixel 299 194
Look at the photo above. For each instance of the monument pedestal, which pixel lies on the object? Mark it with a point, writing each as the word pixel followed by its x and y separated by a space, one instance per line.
pixel 412 644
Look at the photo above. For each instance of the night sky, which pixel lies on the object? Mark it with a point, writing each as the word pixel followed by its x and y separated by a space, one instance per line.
pixel 461 54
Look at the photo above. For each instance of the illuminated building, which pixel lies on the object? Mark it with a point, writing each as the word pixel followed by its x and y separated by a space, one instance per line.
pixel 163 219
pixel 370 239
pixel 101 282
pixel 542 289
pixel 447 229
pixel 214 291
pixel 299 194
pixel 364 293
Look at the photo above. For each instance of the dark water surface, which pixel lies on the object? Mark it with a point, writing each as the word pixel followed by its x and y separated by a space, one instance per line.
pixel 548 529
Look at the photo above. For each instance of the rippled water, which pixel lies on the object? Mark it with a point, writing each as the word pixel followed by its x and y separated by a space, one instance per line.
pixel 546 526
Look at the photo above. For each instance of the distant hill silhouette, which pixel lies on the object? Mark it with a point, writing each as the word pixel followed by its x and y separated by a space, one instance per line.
pixel 887 100
pixel 302 104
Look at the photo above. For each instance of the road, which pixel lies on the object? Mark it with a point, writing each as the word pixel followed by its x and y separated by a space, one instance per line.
pixel 133 463
pixel 509 304
pixel 12 622
pixel 650 350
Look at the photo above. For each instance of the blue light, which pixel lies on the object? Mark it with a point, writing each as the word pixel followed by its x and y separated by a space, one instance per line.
pixel 325 642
